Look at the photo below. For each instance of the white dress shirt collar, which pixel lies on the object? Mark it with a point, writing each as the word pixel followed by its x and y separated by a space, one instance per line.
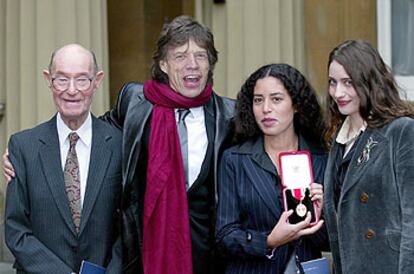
pixel 84 131
pixel 195 113
pixel 346 137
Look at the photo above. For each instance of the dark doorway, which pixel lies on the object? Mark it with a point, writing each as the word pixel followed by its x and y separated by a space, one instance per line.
pixel 133 29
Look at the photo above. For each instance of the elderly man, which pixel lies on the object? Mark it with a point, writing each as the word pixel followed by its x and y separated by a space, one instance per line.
pixel 62 206
pixel 174 132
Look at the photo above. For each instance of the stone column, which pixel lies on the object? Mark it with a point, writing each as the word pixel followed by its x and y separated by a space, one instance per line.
pixel 249 34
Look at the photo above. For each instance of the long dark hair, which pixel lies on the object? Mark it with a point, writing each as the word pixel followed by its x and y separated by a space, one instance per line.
pixel 380 101
pixel 308 119
pixel 176 33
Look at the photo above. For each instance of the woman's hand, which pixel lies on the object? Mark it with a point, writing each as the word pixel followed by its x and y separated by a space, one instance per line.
pixel 8 169
pixel 316 193
pixel 283 232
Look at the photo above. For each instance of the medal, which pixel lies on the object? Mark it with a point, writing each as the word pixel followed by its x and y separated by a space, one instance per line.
pixel 301 209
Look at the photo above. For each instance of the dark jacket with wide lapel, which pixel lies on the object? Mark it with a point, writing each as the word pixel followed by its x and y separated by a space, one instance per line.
pixel 132 113
pixel 38 223
pixel 250 205
pixel 372 230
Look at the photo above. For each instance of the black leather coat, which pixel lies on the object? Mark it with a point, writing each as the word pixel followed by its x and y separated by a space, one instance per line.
pixel 131 113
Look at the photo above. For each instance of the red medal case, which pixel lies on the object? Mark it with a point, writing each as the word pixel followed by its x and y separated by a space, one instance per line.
pixel 297 177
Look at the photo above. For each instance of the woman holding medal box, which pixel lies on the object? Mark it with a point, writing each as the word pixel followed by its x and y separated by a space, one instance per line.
pixel 276 111
pixel 369 181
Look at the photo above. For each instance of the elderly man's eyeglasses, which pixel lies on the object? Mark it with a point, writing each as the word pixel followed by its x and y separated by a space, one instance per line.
pixel 81 83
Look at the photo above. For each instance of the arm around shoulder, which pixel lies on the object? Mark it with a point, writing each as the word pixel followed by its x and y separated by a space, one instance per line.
pixel 116 116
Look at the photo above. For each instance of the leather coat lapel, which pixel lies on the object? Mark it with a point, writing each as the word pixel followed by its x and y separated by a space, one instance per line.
pixel 99 161
pixel 222 127
pixel 52 169
pixel 138 114
pixel 223 120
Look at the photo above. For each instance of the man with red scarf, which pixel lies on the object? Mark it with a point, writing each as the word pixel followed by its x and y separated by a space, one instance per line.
pixel 168 227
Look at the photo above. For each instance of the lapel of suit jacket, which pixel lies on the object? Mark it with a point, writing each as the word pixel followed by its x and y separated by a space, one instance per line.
pixel 261 176
pixel 52 169
pixel 206 164
pixel 355 169
pixel 99 160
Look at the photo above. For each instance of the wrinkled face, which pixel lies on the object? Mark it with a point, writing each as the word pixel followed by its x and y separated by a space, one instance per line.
pixel 187 67
pixel 272 107
pixel 342 90
pixel 73 68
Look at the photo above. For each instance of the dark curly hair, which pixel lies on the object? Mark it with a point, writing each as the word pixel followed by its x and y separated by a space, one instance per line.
pixel 176 33
pixel 380 101
pixel 308 119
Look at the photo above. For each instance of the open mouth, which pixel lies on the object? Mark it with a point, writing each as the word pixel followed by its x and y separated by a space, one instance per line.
pixel 192 78
pixel 191 81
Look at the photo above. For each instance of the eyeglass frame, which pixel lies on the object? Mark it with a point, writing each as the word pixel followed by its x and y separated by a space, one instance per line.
pixel 74 83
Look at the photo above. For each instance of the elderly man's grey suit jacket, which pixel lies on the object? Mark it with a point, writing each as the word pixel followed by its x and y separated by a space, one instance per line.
pixel 39 227
pixel 372 230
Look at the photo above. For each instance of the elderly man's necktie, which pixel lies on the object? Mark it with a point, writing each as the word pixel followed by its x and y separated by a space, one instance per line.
pixel 182 134
pixel 72 181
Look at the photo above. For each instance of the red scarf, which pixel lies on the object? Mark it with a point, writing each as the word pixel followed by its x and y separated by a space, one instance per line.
pixel 166 239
